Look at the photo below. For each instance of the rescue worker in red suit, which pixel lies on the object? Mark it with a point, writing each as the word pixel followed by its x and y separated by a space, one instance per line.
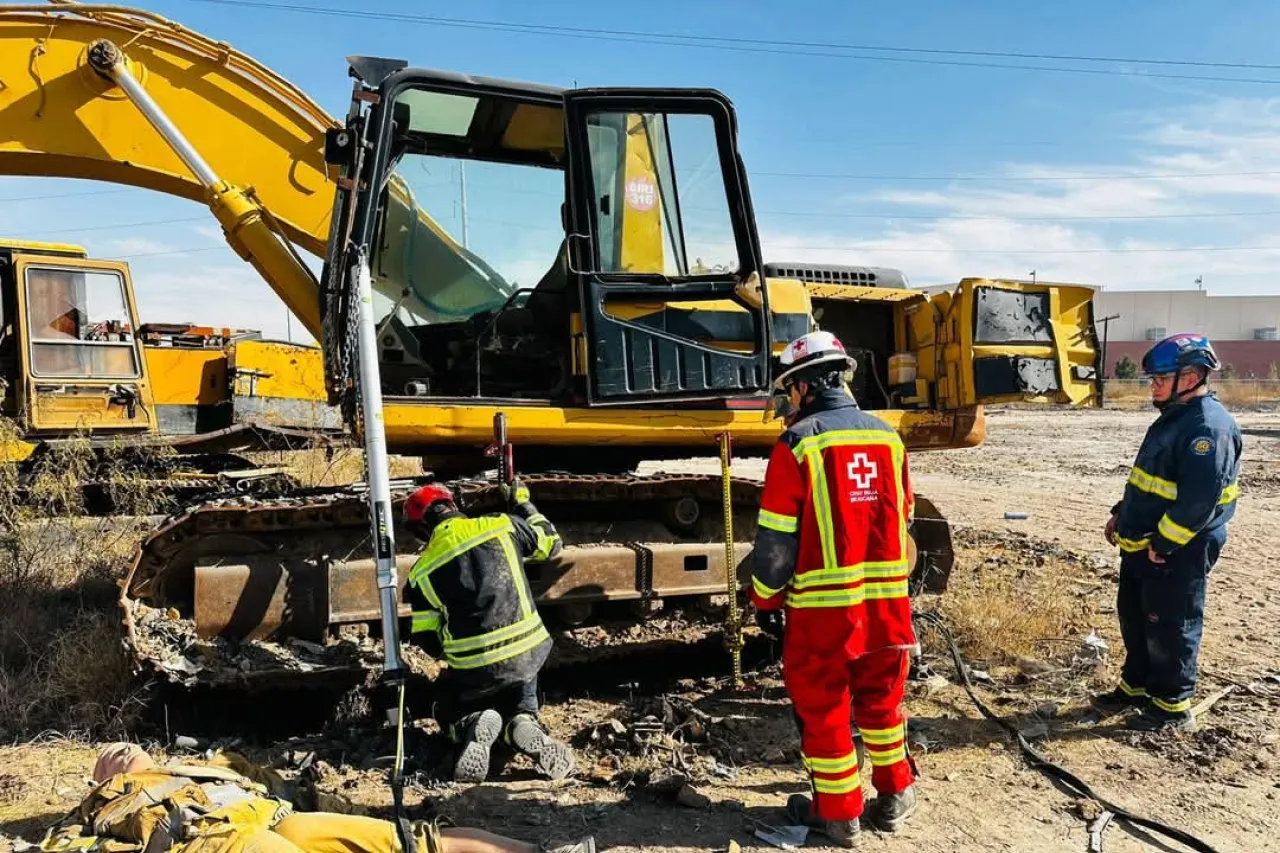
pixel 831 553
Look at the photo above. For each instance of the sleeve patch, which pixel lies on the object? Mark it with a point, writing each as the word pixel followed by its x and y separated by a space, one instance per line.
pixel 1202 446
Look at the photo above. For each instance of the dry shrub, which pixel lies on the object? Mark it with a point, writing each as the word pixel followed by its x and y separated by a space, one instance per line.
pixel 332 467
pixel 1232 392
pixel 62 662
pixel 1006 602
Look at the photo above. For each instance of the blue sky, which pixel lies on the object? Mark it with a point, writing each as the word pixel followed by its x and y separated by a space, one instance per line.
pixel 974 171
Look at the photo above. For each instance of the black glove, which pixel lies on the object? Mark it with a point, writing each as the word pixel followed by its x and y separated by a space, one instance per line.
pixel 771 622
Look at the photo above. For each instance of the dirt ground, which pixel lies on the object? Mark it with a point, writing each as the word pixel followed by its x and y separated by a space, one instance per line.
pixel 679 760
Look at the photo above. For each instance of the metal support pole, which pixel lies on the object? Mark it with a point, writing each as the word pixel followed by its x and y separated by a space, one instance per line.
pixel 376 462
pixel 107 59
pixel 733 630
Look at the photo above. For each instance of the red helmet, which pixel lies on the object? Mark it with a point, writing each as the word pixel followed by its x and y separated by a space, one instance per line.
pixel 415 508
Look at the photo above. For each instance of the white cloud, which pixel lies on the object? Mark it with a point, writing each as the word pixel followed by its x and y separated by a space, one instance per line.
pixel 1067 227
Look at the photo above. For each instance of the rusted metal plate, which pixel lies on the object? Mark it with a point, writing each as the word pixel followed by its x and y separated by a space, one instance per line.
pixel 261 596
pixel 622 573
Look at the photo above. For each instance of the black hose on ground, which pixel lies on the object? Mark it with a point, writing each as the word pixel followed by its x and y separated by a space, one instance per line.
pixel 1042 763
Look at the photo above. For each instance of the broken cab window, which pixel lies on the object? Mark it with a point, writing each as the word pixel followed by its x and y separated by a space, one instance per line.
pixel 79 324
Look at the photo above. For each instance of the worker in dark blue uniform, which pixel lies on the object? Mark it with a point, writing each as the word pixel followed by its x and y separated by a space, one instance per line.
pixel 1170 527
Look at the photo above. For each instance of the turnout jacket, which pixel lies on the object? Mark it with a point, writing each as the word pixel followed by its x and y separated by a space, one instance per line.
pixel 469 588
pixel 1184 479
pixel 832 529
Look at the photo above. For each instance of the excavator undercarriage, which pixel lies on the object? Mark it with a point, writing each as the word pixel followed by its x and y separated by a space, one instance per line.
pixel 258 592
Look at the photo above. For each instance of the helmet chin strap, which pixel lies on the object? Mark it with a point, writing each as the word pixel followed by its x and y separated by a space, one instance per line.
pixel 1176 397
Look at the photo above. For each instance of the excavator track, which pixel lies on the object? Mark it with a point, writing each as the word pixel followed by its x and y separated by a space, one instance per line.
pixel 267 591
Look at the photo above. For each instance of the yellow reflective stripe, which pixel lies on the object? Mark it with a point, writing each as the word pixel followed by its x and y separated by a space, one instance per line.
pixel 881 590
pixel 517 574
pixel 883 737
pixel 492 638
pixel 501 653
pixel 1132 545
pixel 1172 707
pixel 778 521
pixel 449 542
pixel 1229 494
pixel 1152 484
pixel 827 577
pixel 1174 532
pixel 425 620
pixel 1131 691
pixel 887 757
pixel 822 509
pixel 886 570
pixel 762 590
pixel 816 443
pixel 837 786
pixel 826 598
pixel 843 764
pixel 544 541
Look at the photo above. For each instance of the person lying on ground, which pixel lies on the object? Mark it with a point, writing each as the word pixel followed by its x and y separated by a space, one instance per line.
pixel 138 805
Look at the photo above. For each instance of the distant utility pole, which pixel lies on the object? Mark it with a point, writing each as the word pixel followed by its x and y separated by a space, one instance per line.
pixel 288 324
pixel 1199 282
pixel 1033 276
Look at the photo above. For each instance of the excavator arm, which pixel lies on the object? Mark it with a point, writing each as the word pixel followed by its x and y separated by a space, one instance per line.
pixel 117 94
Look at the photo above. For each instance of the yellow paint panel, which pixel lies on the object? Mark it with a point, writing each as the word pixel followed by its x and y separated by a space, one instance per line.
pixel 187 377
pixel 414 425
pixel 69 249
pixel 536 128
pixel 278 369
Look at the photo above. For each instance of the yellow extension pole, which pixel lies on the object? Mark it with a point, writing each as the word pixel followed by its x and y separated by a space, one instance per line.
pixel 733 638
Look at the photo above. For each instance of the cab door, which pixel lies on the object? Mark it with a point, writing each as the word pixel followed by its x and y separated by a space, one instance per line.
pixel 82 365
pixel 1004 342
pixel 663 247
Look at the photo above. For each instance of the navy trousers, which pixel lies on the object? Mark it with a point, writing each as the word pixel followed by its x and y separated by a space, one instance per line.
pixel 1161 610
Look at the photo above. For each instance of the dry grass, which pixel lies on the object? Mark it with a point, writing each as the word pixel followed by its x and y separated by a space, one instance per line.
pixel 62 664
pixel 1011 600
pixel 1232 392
pixel 321 467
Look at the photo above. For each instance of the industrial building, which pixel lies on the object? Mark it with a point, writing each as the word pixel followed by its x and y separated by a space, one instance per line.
pixel 1243 329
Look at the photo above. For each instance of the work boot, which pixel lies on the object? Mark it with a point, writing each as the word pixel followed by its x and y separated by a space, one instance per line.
pixel 479 732
pixel 1116 702
pixel 1153 719
pixel 550 757
pixel 888 812
pixel 843 832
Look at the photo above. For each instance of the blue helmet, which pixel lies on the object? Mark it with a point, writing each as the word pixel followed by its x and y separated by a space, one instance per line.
pixel 1180 351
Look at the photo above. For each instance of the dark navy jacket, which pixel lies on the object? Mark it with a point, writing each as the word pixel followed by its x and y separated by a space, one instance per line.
pixel 1184 480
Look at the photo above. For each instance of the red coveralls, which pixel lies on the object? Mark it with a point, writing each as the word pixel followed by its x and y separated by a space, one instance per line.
pixel 831 546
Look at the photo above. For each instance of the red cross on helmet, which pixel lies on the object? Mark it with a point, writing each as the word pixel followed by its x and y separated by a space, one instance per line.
pixel 811 350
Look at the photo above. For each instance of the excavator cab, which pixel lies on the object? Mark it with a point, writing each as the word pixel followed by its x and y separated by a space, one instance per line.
pixel 70 357
pixel 601 251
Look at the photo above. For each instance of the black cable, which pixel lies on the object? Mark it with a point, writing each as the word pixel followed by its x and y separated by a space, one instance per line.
pixel 791 48
pixel 1040 762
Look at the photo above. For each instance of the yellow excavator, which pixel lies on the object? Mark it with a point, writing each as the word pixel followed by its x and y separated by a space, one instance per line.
pixel 76 365
pixel 640 327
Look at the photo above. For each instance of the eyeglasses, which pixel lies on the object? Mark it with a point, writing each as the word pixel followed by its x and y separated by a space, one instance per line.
pixel 1160 379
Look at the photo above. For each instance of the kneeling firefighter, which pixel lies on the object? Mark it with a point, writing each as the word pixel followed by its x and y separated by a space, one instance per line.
pixel 834 555
pixel 469 588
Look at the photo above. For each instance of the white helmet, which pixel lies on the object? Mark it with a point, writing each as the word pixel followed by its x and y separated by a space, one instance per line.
pixel 812 349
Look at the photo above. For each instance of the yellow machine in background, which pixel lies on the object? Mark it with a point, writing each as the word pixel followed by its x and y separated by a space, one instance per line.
pixel 640 328
pixel 75 362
